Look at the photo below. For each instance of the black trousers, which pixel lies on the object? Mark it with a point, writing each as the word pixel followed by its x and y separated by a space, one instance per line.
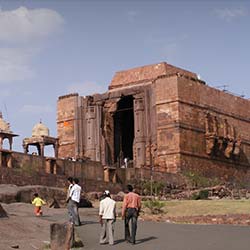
pixel 131 215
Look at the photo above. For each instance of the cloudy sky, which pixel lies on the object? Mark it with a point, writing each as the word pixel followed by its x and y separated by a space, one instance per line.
pixel 50 48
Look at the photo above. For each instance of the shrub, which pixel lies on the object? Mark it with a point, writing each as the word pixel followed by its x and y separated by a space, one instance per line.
pixel 155 206
pixel 157 187
pixel 198 180
pixel 202 195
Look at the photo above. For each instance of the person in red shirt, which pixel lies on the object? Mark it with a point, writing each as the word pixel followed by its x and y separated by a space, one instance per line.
pixel 130 211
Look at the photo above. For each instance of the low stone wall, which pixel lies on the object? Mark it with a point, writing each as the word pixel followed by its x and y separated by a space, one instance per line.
pixel 136 175
pixel 24 169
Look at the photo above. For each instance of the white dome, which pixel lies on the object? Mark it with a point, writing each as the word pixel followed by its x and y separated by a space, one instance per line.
pixel 40 130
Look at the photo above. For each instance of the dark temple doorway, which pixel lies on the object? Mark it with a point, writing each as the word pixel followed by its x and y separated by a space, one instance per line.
pixel 124 130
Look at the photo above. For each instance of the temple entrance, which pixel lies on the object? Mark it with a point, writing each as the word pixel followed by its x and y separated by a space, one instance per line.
pixel 124 130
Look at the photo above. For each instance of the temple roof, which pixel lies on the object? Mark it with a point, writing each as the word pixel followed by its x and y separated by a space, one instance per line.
pixel 40 130
pixel 146 73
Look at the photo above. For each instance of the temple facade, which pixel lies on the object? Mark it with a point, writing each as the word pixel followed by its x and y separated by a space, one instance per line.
pixel 158 117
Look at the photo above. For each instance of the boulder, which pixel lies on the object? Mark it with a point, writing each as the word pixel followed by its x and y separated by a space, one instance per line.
pixel 93 195
pixel 84 202
pixel 61 236
pixel 53 203
pixel 3 213
pixel 12 193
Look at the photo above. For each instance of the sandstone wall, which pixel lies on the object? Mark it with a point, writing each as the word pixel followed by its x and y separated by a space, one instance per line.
pixel 28 169
pixel 195 100
pixel 66 115
pixel 167 117
pixel 182 104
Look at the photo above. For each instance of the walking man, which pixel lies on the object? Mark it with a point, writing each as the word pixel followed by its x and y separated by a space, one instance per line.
pixel 107 214
pixel 130 211
pixel 73 203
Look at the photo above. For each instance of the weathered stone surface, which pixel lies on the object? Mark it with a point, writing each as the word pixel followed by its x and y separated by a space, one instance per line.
pixel 93 195
pixel 145 73
pixel 53 203
pixel 61 236
pixel 3 213
pixel 12 193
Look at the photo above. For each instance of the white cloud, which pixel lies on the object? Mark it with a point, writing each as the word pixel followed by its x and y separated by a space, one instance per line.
pixel 15 64
pixel 230 14
pixel 86 88
pixel 24 24
pixel 37 109
pixel 24 29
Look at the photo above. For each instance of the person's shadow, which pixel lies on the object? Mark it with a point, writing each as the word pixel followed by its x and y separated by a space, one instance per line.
pixel 88 222
pixel 139 241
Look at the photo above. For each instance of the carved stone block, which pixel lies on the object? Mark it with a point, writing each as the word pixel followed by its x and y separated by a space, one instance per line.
pixel 61 236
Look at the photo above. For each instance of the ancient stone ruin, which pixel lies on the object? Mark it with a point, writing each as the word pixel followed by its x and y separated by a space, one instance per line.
pixel 155 122
pixel 158 117
pixel 40 138
pixel 5 133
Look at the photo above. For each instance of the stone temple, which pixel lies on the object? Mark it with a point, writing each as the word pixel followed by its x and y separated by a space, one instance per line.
pixel 158 117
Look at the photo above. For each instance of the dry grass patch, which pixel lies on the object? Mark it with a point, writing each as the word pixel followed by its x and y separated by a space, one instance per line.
pixel 206 207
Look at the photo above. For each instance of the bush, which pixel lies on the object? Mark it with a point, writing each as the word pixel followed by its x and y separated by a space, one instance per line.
pixel 198 180
pixel 202 195
pixel 155 206
pixel 157 187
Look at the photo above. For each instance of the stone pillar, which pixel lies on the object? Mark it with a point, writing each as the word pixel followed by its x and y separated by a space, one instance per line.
pixel 25 148
pixel 1 159
pixel 61 236
pixel 1 143
pixel 55 146
pixel 9 161
pixel 108 133
pixel 10 142
pixel 98 132
pixel 41 149
pixel 140 131
pixel 91 133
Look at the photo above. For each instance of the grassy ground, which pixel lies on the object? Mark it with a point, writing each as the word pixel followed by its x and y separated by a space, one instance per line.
pixel 202 207
pixel 206 207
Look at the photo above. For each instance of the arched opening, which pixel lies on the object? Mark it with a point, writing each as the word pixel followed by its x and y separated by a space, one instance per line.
pixel 6 143
pixel 124 130
pixel 49 151
pixel 33 150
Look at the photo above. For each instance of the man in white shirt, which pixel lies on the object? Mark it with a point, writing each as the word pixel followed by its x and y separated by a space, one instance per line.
pixel 107 213
pixel 75 195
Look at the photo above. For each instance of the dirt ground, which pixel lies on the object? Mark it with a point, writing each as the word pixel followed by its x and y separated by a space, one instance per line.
pixel 23 230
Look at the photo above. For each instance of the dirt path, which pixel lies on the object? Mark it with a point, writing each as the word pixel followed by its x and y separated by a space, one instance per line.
pixel 28 232
pixel 25 230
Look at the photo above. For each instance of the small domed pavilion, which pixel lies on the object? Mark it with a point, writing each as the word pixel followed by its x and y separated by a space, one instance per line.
pixel 40 138
pixel 5 132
